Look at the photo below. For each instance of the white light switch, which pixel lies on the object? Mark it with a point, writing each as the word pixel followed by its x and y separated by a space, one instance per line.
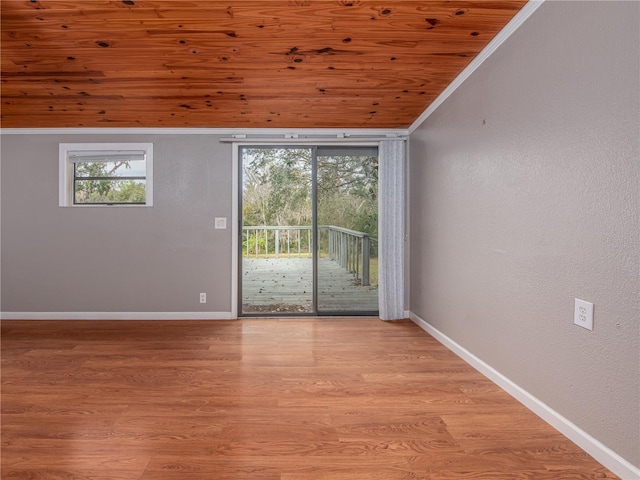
pixel 221 223
pixel 583 314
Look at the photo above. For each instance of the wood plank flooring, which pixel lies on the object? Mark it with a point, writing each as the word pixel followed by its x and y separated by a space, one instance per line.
pixel 261 399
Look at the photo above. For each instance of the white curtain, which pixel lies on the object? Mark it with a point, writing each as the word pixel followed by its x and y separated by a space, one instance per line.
pixel 391 234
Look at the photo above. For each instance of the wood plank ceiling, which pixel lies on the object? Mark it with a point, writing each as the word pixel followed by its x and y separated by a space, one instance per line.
pixel 242 64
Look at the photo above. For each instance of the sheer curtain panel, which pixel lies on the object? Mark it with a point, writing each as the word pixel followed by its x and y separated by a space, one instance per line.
pixel 391 234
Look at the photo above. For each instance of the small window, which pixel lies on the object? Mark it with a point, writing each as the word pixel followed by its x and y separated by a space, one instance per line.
pixel 106 174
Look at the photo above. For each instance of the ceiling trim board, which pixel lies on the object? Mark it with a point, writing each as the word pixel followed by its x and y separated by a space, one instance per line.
pixel 300 132
pixel 498 40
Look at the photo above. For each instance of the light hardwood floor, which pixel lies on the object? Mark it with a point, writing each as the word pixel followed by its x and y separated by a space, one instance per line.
pixel 254 399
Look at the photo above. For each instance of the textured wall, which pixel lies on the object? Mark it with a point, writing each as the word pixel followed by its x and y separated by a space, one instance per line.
pixel 524 195
pixel 106 259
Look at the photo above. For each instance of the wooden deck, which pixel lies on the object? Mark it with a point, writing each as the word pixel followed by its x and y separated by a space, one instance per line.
pixel 285 285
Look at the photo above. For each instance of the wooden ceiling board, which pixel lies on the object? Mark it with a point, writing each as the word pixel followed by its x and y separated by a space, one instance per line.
pixel 250 64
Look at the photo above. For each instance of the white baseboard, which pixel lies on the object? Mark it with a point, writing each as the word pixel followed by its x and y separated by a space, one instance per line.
pixel 117 316
pixel 601 453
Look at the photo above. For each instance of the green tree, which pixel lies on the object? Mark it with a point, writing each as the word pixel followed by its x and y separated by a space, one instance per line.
pixel 277 189
pixel 98 182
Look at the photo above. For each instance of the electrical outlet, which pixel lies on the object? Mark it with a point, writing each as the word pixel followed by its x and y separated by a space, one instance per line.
pixel 220 223
pixel 203 298
pixel 583 314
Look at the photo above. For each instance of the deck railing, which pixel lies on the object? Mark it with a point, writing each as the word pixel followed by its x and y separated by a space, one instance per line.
pixel 349 248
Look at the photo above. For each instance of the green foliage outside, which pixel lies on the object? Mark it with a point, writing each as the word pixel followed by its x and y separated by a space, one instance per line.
pixel 277 192
pixel 277 189
pixel 110 188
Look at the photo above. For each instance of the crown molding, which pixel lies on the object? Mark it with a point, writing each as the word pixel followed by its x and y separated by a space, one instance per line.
pixel 287 132
pixel 498 40
pixel 493 45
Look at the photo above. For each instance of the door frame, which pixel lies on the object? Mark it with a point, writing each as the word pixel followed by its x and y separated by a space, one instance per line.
pixel 236 253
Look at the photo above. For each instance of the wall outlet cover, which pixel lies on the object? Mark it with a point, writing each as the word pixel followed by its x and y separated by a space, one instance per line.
pixel 583 314
pixel 220 223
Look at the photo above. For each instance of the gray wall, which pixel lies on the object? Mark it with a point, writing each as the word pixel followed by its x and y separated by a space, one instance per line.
pixel 524 195
pixel 110 259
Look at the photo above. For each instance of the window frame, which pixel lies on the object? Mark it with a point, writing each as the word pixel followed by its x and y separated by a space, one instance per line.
pixel 67 171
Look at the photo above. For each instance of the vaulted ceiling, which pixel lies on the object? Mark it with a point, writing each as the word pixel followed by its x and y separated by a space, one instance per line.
pixel 234 64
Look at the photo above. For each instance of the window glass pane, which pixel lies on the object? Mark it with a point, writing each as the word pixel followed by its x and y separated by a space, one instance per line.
pixel 277 235
pixel 109 191
pixel 347 208
pixel 133 168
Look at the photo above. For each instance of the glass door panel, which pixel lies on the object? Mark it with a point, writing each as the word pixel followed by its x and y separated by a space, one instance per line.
pixel 277 230
pixel 347 218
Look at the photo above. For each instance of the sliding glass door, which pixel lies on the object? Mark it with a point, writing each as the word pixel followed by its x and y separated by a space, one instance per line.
pixel 308 237
pixel 277 233
pixel 347 211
